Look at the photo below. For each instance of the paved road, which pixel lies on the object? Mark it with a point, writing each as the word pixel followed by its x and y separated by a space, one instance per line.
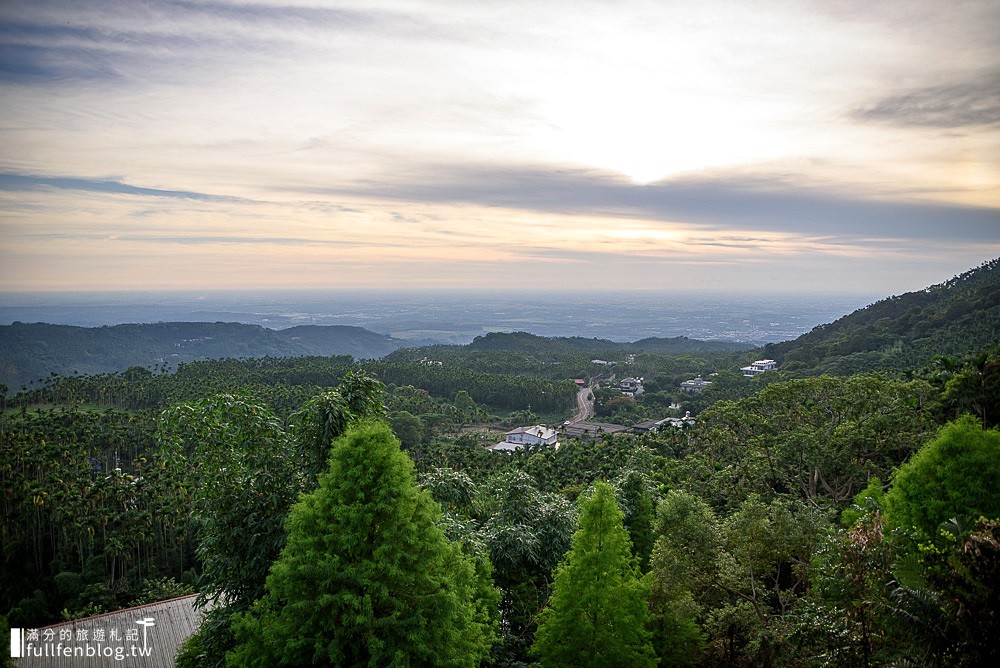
pixel 584 405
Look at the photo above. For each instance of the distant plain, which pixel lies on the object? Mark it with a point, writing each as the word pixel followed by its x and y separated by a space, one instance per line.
pixel 454 317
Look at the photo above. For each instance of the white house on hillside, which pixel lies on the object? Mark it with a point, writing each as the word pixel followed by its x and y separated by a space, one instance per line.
pixel 758 367
pixel 536 435
pixel 631 387
pixel 695 385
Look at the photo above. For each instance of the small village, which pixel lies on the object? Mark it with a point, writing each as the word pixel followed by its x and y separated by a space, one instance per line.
pixel 582 426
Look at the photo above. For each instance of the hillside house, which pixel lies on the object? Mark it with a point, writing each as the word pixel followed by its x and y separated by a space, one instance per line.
pixel 647 426
pixel 521 437
pixel 758 367
pixel 631 387
pixel 695 385
pixel 655 425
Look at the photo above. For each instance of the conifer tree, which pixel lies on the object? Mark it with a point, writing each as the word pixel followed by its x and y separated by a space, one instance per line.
pixel 599 612
pixel 367 577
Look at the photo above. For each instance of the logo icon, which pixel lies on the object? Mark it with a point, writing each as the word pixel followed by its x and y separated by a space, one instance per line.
pixel 145 623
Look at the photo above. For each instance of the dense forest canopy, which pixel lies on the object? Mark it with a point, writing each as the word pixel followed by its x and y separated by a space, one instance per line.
pixel 956 318
pixel 799 519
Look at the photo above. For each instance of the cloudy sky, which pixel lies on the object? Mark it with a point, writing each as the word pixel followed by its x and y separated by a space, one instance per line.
pixel 762 145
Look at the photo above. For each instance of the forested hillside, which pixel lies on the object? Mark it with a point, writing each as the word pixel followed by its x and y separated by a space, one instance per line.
pixel 957 318
pixel 538 349
pixel 29 352
pixel 340 511
pixel 357 342
pixel 780 495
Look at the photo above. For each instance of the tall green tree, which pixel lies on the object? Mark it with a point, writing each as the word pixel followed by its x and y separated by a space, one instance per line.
pixel 242 465
pixel 637 505
pixel 599 611
pixel 244 470
pixel 685 567
pixel 367 576
pixel 955 475
pixel 527 532
pixel 976 388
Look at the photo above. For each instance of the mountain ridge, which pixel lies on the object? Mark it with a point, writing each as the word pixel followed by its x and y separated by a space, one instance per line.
pixel 30 352
pixel 958 317
pixel 954 318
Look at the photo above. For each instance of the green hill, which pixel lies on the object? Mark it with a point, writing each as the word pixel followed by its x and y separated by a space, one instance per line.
pixel 341 340
pixel 532 344
pixel 957 318
pixel 560 358
pixel 30 352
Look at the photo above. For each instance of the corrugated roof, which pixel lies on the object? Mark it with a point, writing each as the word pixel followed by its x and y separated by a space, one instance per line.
pixel 535 430
pixel 146 636
pixel 592 429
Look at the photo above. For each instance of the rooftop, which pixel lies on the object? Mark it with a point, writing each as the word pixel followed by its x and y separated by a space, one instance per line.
pixel 592 429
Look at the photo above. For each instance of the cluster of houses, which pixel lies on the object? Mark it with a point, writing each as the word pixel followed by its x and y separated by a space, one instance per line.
pixel 629 359
pixel 540 436
pixel 698 384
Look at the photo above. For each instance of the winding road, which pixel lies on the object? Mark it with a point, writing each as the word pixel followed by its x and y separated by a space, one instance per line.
pixel 584 405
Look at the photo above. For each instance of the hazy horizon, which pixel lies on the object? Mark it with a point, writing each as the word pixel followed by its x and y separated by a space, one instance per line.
pixel 453 317
pixel 500 292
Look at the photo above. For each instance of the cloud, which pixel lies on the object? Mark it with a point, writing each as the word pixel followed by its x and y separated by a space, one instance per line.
pixel 952 105
pixel 44 50
pixel 31 64
pixel 172 40
pixel 200 240
pixel 21 182
pixel 720 210
pixel 731 202
pixel 226 130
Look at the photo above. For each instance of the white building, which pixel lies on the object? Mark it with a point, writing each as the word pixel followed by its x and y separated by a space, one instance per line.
pixel 536 435
pixel 679 422
pixel 758 367
pixel 695 385
pixel 631 387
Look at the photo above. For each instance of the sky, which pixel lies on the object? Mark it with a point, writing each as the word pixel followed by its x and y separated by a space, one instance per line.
pixel 823 146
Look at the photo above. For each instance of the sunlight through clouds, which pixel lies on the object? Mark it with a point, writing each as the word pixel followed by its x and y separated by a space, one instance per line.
pixel 383 143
